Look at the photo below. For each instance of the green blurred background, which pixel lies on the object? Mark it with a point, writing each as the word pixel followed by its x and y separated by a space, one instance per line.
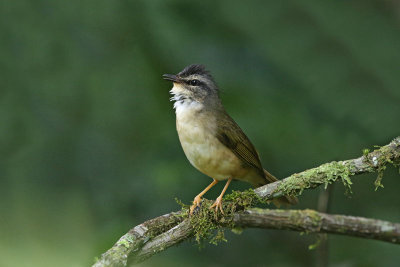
pixel 87 133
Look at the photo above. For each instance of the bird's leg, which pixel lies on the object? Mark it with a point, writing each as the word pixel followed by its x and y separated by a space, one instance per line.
pixel 197 199
pixel 218 202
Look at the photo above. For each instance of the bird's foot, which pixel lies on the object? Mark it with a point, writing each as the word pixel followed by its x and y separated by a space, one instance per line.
pixel 218 205
pixel 196 203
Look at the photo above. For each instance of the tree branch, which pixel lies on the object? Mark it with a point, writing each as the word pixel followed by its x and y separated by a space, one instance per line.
pixel 331 172
pixel 135 239
pixel 159 233
pixel 311 221
pixel 172 237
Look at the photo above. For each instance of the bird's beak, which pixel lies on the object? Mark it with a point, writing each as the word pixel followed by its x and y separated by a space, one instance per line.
pixel 172 78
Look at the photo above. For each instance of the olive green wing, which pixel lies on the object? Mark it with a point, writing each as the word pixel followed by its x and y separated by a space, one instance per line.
pixel 230 134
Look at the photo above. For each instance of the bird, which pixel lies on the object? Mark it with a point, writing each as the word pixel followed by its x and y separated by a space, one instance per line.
pixel 211 140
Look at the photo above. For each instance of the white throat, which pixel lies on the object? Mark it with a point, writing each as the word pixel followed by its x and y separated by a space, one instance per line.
pixel 184 105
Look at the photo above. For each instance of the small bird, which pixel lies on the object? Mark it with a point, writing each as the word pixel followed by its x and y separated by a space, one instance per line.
pixel 211 140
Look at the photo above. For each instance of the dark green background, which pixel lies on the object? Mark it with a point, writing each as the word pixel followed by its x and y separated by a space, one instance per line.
pixel 88 146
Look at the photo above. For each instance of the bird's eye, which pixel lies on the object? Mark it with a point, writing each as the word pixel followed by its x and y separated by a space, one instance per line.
pixel 194 82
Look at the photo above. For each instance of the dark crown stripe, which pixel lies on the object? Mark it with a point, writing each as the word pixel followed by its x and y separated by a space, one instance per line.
pixel 194 69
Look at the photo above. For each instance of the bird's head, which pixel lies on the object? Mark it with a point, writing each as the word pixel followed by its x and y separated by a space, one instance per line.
pixel 193 83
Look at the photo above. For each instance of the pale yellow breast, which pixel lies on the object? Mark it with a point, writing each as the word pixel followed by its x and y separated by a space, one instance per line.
pixel 196 129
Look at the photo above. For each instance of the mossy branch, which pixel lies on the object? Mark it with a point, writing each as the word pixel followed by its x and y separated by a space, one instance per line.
pixel 128 251
pixel 328 173
pixel 159 233
pixel 136 238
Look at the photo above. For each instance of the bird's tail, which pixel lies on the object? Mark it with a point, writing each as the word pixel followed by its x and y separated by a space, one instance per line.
pixel 284 200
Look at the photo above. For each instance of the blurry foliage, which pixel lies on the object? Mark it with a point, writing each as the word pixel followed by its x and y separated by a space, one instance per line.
pixel 87 136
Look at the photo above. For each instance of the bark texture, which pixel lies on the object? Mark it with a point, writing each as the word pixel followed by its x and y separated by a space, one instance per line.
pixel 311 221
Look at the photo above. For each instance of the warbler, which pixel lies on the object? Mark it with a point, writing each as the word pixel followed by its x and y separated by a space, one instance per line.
pixel 211 140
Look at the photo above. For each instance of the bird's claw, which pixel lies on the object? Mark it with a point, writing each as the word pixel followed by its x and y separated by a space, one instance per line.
pixel 196 204
pixel 217 205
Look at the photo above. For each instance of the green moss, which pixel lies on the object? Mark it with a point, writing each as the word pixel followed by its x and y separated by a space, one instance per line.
pixel 180 203
pixel 124 243
pixel 316 244
pixel 324 174
pixel 208 225
pixel 298 217
pixel 341 170
pixel 218 237
pixel 237 230
pixel 243 199
pixel 202 221
pixel 378 181
pixel 321 238
pixel 316 219
pixel 380 162
pixel 130 238
pixel 162 226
